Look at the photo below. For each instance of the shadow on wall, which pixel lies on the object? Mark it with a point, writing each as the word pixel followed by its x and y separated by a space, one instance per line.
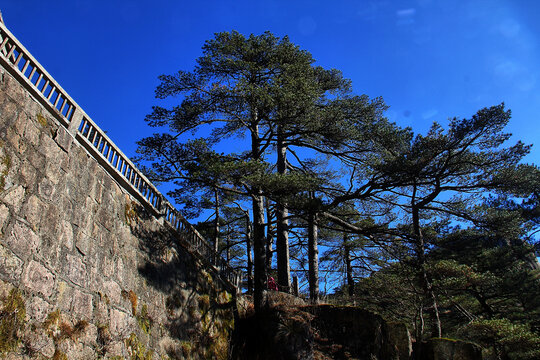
pixel 199 308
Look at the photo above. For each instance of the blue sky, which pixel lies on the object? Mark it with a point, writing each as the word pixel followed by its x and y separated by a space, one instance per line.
pixel 429 59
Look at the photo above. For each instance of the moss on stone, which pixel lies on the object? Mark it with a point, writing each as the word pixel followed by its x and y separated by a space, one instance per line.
pixel 5 164
pixel 59 355
pixel 130 213
pixel 51 321
pixel 137 349
pixel 12 321
pixel 42 120
pixel 186 348
pixel 144 320
pixel 72 332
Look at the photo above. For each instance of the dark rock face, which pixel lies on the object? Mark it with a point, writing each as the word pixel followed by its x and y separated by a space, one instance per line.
pixel 359 333
pixel 345 332
pixel 275 333
pixel 318 332
pixel 448 349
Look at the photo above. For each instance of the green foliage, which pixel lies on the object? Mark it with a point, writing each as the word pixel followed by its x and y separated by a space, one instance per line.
pixel 137 349
pixel 144 320
pixel 518 341
pixel 12 321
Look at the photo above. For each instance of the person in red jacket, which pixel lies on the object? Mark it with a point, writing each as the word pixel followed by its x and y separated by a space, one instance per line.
pixel 272 284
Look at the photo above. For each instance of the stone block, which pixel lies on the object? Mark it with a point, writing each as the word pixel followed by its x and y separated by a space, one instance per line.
pixel 121 275
pixel 80 215
pixel 50 220
pixel 10 266
pixel 53 172
pixel 51 150
pixel 9 111
pixel 14 197
pixel 39 279
pixel 90 336
pixel 28 174
pixel 33 211
pixel 83 243
pixel 4 214
pixel 95 278
pixel 87 181
pixel 67 207
pixel 40 343
pixel 75 270
pixel 36 159
pixel 82 305
pixel 20 123
pixel 101 313
pixel 64 296
pixel 116 348
pixel 50 251
pixel 38 309
pixel 80 352
pixel 32 133
pixel 113 291
pixel 65 164
pixel 63 138
pixel 97 192
pixel 108 267
pixel 16 92
pixel 46 189
pixel 105 218
pixel 22 240
pixel 121 323
pixel 16 141
pixel 65 234
pixel 72 189
pixel 79 159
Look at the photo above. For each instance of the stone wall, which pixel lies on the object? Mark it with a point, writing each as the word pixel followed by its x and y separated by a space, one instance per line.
pixel 98 274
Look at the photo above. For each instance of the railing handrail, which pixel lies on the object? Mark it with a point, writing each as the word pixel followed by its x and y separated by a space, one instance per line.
pixel 71 116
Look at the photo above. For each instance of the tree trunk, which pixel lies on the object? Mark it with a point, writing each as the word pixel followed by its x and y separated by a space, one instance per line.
pixel 216 224
pixel 424 278
pixel 282 225
pixel 228 244
pixel 348 264
pixel 269 234
pixel 259 249
pixel 313 255
pixel 259 240
pixel 249 257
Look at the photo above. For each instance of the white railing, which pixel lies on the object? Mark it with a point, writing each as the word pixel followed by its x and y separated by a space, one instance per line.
pixel 23 66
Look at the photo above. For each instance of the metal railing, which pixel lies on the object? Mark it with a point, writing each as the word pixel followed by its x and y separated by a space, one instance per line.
pixel 18 60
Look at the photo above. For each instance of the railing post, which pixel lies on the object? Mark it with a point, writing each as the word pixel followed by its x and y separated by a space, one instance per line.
pixel 75 121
